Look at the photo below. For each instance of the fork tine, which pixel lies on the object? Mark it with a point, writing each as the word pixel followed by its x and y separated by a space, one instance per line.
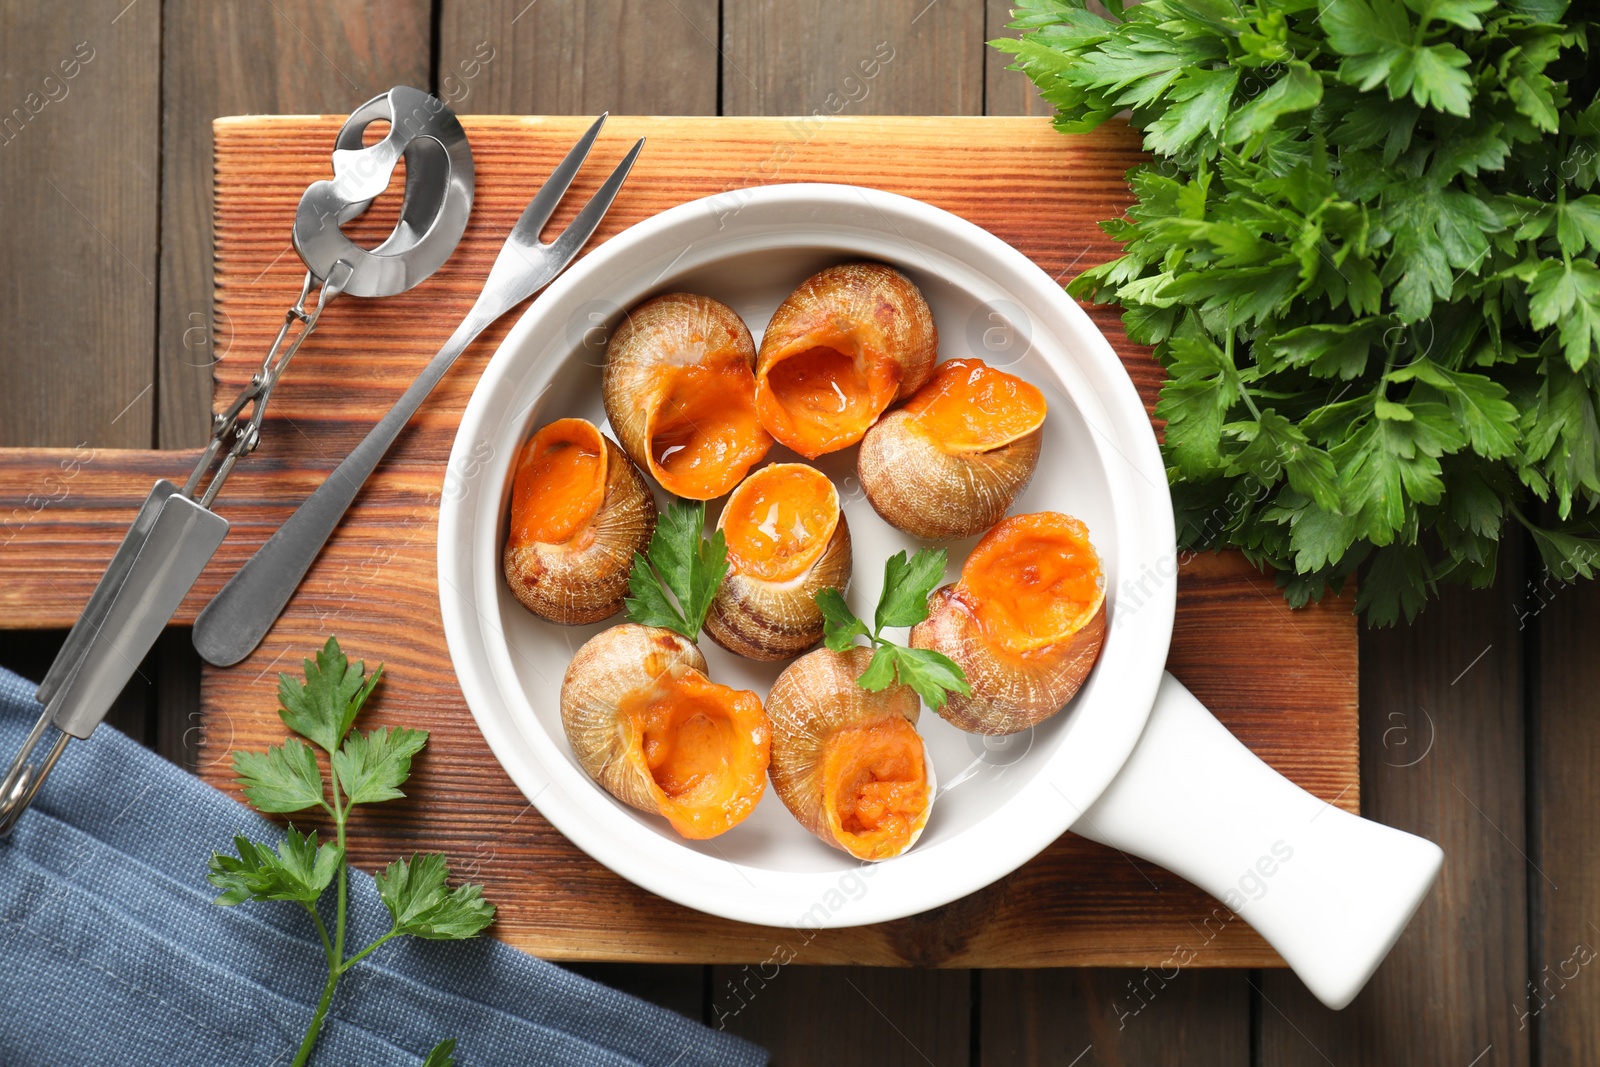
pixel 544 202
pixel 572 239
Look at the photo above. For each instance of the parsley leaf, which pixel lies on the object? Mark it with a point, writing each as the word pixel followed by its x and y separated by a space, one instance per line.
pixel 441 1056
pixel 417 900
pixel 372 766
pixel 840 625
pixel 1569 294
pixel 299 870
pixel 687 564
pixel 881 669
pixel 932 674
pixel 321 708
pixel 283 778
pixel 907 584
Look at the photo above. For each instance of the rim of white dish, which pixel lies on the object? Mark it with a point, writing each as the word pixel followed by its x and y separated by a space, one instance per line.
pixel 1104 729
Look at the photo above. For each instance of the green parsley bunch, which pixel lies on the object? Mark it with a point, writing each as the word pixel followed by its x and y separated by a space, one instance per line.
pixel 367 768
pixel 1365 252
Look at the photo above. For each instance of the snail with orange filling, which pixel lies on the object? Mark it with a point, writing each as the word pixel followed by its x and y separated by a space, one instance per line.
pixel 1025 622
pixel 846 761
pixel 679 389
pixel 657 734
pixel 580 510
pixel 846 344
pixel 787 539
pixel 951 461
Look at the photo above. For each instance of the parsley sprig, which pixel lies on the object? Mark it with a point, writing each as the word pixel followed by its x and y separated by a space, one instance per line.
pixel 903 602
pixel 1367 252
pixel 681 560
pixel 367 768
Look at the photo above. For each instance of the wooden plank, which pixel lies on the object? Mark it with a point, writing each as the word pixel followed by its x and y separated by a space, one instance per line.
pixel 1115 1018
pixel 827 58
pixel 1441 756
pixel 374 584
pixel 79 174
pixel 845 1016
pixel 565 57
pixel 1006 92
pixel 1563 1005
pixel 235 57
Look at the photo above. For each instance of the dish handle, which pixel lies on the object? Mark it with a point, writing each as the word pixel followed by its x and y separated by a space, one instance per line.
pixel 1329 890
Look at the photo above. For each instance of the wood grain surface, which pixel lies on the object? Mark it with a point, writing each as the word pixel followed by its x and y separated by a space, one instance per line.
pixel 1561 1001
pixel 512 57
pixel 823 57
pixel 1077 903
pixel 79 177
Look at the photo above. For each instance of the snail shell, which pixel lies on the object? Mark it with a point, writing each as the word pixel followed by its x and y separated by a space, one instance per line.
pixel 953 459
pixel 679 390
pixel 580 510
pixel 787 541
pixel 1025 623
pixel 840 349
pixel 657 734
pixel 847 762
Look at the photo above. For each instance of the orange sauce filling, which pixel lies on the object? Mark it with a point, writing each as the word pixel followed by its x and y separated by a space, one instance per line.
pixel 560 483
pixel 704 433
pixel 875 787
pixel 1033 580
pixel 779 521
pixel 823 398
pixel 705 746
pixel 968 406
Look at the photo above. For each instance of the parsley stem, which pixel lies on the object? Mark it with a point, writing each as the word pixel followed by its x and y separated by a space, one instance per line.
pixel 340 814
pixel 335 951
pixel 1238 379
pixel 322 931
pixel 359 956
pixel 310 1040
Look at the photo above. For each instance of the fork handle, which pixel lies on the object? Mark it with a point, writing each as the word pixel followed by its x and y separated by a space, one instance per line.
pixel 230 627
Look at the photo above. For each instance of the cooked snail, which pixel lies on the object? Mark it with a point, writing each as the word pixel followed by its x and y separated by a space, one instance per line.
pixel 657 734
pixel 1025 622
pixel 847 762
pixel 839 350
pixel 579 512
pixel 951 461
pixel 679 389
pixel 787 539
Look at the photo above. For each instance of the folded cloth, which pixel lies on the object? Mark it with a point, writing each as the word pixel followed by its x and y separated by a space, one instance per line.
pixel 111 951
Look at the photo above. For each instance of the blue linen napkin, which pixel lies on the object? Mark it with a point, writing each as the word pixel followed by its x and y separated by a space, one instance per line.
pixel 111 951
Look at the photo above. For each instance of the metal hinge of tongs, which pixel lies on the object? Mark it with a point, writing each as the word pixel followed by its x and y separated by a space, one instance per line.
pixel 175 533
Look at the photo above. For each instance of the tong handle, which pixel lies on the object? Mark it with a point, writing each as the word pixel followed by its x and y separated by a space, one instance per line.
pixel 169 544
pixel 163 553
pixel 93 619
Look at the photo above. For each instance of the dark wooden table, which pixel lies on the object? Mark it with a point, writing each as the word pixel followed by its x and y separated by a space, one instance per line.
pixel 1480 725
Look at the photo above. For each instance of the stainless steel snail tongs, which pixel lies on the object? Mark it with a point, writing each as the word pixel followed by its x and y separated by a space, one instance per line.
pixel 175 532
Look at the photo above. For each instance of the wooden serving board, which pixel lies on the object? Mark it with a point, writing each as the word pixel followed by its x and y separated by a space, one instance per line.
pixel 1284 682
